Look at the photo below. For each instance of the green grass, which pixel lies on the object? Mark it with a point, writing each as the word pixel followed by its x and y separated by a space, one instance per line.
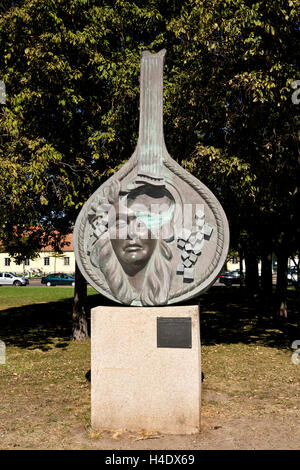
pixel 11 296
pixel 32 317
pixel 44 391
pixel 44 386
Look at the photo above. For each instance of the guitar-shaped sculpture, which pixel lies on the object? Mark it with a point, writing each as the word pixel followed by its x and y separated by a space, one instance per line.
pixel 152 234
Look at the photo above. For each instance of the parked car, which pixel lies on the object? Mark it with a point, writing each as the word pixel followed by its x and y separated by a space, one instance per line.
pixel 11 279
pixel 59 279
pixel 230 277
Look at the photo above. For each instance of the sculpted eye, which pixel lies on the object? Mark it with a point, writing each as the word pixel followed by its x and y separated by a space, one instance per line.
pixel 121 224
pixel 140 226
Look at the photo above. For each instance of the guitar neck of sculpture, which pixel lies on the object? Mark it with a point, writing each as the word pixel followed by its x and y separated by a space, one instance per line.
pixel 151 144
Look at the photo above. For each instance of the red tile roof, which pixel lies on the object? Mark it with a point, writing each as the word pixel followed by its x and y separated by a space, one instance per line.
pixel 66 245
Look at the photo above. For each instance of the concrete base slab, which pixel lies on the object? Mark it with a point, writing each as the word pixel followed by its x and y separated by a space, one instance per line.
pixel 137 385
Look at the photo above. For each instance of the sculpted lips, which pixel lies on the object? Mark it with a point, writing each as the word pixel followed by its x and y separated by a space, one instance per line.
pixel 129 247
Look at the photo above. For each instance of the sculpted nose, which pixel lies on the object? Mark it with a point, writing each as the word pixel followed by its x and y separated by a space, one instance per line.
pixel 132 229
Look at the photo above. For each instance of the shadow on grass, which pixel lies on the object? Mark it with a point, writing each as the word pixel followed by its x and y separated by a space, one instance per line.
pixel 43 325
pixel 226 316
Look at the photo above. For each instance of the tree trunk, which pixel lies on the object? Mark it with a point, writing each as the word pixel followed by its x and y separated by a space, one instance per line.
pixel 281 284
pixel 79 329
pixel 252 286
pixel 266 279
pixel 242 277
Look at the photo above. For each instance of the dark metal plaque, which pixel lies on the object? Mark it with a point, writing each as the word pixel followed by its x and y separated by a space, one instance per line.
pixel 174 332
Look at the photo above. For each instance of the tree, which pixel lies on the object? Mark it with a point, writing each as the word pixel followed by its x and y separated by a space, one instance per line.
pixel 247 142
pixel 71 68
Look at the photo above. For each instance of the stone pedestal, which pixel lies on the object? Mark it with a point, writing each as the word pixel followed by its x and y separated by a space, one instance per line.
pixel 138 385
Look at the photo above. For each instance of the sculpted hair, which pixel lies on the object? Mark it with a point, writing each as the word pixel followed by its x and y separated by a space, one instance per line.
pixel 103 257
pixel 157 283
pixel 155 290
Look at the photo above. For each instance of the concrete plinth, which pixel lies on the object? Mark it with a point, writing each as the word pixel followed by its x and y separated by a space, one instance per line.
pixel 137 385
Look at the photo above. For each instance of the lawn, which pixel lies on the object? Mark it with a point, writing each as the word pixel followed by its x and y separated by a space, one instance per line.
pixel 250 392
pixel 11 296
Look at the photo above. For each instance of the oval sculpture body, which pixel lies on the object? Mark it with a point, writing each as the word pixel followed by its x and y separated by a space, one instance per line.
pixel 152 234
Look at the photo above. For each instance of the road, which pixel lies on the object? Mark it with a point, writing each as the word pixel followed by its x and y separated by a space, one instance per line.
pixel 37 283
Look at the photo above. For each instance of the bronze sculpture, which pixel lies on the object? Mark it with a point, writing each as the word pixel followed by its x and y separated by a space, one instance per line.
pixel 152 234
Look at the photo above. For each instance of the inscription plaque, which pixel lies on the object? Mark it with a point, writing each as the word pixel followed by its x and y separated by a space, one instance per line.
pixel 174 332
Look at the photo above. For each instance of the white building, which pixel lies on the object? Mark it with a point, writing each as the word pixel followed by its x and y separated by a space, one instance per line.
pixel 47 261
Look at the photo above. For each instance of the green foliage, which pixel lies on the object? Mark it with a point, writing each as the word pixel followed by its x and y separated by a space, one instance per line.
pixel 241 60
pixel 71 71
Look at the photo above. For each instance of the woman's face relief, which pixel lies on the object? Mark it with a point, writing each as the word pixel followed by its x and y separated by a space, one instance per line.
pixel 131 238
pixel 135 226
